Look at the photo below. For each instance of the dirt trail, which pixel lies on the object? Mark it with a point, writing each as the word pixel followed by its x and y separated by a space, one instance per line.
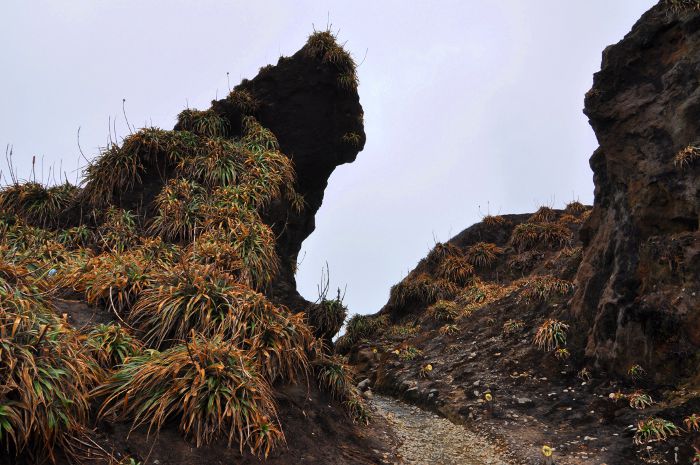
pixel 427 439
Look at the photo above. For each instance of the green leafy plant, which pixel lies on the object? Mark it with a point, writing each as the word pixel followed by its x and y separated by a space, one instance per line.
pixel 639 400
pixel 112 344
pixel 361 327
pixel 179 210
pixel 203 123
pixel 654 429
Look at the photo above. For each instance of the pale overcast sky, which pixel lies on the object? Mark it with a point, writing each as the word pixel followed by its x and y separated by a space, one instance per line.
pixel 470 105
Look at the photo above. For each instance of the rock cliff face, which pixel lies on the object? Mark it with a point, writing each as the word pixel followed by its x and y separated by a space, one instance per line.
pixel 319 125
pixel 638 285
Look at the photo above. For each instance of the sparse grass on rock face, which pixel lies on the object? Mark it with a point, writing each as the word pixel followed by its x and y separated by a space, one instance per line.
pixel 551 335
pixel 422 289
pixel 575 208
pixel 328 315
pixel 323 45
pixel 542 288
pixel 443 311
pixel 527 236
pixel 543 214
pixel 361 327
pixel 457 270
pixel 689 155
pixel 682 5
pixel 482 254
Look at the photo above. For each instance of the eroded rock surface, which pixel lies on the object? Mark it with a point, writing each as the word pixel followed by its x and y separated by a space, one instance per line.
pixel 638 284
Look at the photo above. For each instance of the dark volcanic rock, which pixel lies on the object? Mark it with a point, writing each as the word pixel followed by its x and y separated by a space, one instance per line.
pixel 637 287
pixel 300 101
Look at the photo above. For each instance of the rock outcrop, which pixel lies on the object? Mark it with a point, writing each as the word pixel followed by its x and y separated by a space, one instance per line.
pixel 638 287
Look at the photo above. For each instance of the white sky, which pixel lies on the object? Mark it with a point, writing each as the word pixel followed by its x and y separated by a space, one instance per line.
pixel 470 106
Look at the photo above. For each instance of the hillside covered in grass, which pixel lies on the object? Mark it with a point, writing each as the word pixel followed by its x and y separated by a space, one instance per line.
pixel 152 310
pixel 574 329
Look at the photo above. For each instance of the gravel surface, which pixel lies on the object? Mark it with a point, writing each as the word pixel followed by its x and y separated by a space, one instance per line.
pixel 428 439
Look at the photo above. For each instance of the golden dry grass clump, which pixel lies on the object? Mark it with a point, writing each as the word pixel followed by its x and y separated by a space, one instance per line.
pixel 423 289
pixel 208 384
pixel 456 269
pixel 542 288
pixel 483 254
pixel 528 236
pixel 36 203
pixel 686 157
pixel 543 214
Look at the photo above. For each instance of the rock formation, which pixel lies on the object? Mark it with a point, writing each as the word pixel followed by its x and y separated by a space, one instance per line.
pixel 638 286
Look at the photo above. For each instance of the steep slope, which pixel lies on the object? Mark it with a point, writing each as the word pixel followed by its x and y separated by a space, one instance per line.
pixel 575 329
pixel 152 314
pixel 638 288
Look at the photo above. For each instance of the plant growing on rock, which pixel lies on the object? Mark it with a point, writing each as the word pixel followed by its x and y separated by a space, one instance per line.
pixel 208 385
pixel 410 353
pixel 118 230
pixel 423 289
pixel 636 372
pixel 327 315
pixel 639 400
pixel 512 327
pixel 575 208
pixel 493 220
pixel 323 45
pixel 542 215
pixel 361 327
pixel 425 370
pixel 562 353
pixel 205 123
pixel 352 138
pixel 692 422
pixel 551 335
pixel 483 254
pixel 357 409
pixel 654 429
pixel 243 100
pixel 689 155
pixel 527 236
pixel 456 269
pixel 449 330
pixel 443 311
pixel 542 288
pixel 334 376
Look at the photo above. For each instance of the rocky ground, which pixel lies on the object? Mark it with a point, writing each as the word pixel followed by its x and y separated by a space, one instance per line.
pixel 426 438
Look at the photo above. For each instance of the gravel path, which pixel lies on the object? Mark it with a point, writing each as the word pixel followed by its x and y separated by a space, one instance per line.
pixel 428 439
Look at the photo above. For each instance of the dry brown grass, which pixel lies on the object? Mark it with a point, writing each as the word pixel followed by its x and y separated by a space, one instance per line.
pixel 483 254
pixel 543 214
pixel 687 157
pixel 527 236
